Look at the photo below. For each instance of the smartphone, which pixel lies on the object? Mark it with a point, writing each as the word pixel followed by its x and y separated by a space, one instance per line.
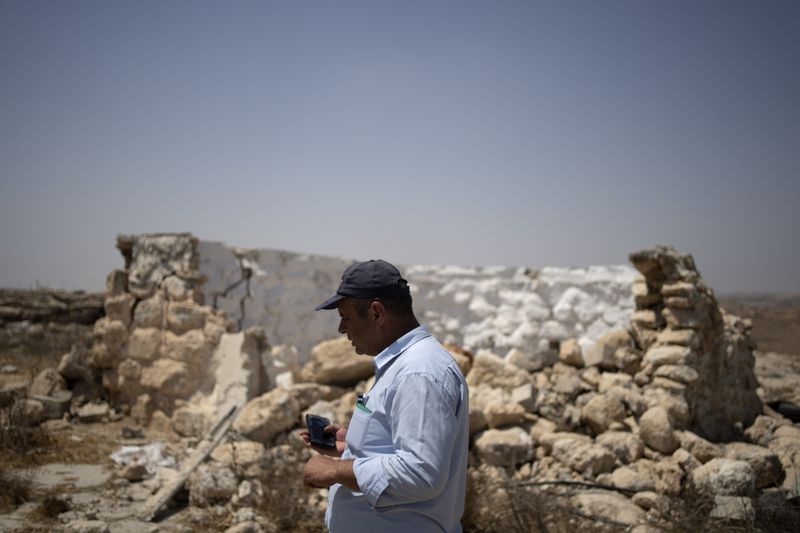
pixel 316 425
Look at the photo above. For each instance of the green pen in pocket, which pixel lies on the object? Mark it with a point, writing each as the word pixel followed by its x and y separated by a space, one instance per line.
pixel 361 403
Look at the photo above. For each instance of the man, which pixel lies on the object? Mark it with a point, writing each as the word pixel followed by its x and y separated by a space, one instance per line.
pixel 401 465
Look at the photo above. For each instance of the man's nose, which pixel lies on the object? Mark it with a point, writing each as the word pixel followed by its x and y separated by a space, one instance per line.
pixel 341 326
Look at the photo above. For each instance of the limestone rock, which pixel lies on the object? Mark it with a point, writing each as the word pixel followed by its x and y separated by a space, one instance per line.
pixel 656 430
pixel 588 459
pixel 651 500
pixel 120 307
pixel 569 353
pixel 669 355
pixel 669 477
pixel 47 382
pixel 266 416
pixel 761 432
pixel 55 405
pixel 676 406
pixel 627 477
pixel 765 463
pixel 307 394
pixel 186 316
pixel 143 344
pixel 626 446
pixel 112 333
pixel 210 484
pixel 490 369
pixel 608 507
pixel 725 477
pixel 504 447
pixel 153 257
pixel 336 362
pixel 190 420
pixel 601 411
pixel 699 447
pixel 524 395
pixel 167 377
pixel 250 493
pixel 116 283
pixel 733 508
pixel 532 361
pixel 93 412
pixel 602 354
pixel 149 313
pixel 245 458
pixel 548 440
pixel 190 348
pixel 680 373
pixel 681 337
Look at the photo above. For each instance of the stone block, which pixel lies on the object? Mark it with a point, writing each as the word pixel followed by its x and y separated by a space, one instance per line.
pixel 116 283
pixel 490 369
pixel 186 316
pixel 149 313
pixel 765 463
pixel 120 307
pixel 601 411
pixel 47 382
pixel 504 447
pixel 54 405
pixel 725 477
pixel 569 353
pixel 168 377
pixel 268 415
pixel 336 362
pixel 659 355
pixel 627 447
pixel 143 344
pixel 656 430
pixel 587 459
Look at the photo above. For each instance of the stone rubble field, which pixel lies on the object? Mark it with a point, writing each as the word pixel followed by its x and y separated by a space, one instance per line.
pixel 617 398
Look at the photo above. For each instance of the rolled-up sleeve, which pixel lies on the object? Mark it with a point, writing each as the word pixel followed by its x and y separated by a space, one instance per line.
pixel 423 422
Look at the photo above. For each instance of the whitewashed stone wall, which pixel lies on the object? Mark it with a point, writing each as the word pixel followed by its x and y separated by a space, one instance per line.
pixel 496 308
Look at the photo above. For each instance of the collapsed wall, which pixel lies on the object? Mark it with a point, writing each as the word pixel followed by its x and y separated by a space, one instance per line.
pixel 497 308
pixel 693 349
pixel 189 324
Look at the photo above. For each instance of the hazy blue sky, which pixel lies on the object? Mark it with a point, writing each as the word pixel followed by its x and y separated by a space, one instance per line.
pixel 493 132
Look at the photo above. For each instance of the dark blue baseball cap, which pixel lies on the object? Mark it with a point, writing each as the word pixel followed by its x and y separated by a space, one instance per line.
pixel 371 279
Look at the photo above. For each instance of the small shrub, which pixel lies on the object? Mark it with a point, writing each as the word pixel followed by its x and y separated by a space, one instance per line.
pixel 15 489
pixel 18 434
pixel 52 506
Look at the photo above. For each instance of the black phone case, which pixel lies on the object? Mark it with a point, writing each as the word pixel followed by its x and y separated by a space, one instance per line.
pixel 318 437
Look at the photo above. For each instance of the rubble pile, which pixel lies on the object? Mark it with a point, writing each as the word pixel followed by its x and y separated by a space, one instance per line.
pixel 160 354
pixel 661 407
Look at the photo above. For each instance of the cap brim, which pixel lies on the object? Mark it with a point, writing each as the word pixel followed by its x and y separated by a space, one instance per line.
pixel 330 303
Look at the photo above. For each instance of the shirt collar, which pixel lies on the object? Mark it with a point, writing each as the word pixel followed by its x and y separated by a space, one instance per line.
pixel 398 347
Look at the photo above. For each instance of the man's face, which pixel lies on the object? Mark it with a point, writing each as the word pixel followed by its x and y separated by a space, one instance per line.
pixel 360 330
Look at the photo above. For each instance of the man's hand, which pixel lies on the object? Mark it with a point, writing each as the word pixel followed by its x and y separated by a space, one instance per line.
pixel 341 444
pixel 322 472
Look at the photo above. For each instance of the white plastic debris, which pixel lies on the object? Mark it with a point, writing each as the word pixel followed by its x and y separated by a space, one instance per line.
pixel 150 455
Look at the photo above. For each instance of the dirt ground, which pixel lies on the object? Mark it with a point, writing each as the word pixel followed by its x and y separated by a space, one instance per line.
pixel 776 320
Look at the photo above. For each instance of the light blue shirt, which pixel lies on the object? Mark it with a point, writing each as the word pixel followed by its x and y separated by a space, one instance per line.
pixel 409 438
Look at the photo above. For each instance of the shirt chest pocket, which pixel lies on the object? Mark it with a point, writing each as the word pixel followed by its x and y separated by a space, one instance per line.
pixel 369 433
pixel 357 430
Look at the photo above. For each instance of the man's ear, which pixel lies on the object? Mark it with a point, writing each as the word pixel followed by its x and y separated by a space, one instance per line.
pixel 377 312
